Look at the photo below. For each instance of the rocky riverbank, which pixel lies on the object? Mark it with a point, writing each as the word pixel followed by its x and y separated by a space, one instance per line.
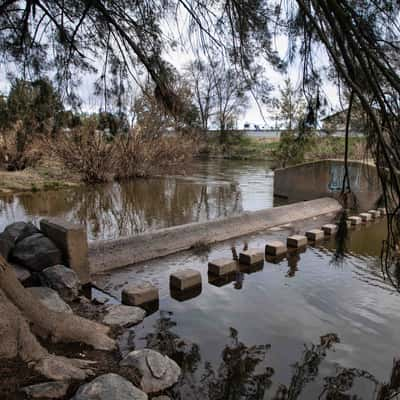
pixel 124 373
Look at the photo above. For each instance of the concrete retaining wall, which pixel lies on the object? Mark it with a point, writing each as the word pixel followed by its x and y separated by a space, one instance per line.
pixel 324 178
pixel 112 254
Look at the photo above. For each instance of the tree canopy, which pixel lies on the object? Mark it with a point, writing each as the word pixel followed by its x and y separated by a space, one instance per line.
pixel 353 42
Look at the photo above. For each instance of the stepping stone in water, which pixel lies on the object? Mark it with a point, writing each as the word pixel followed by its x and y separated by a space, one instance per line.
pixel 185 279
pixel 275 248
pixel 329 229
pixel 251 257
pixel 183 295
pixel 355 220
pixel 365 217
pixel 222 266
pixel 296 241
pixel 374 213
pixel 382 210
pixel 136 294
pixel 315 234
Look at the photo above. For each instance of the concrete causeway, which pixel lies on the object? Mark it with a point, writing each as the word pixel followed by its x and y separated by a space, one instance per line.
pixel 112 254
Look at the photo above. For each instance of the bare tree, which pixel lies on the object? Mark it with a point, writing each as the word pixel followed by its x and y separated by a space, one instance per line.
pixel 200 76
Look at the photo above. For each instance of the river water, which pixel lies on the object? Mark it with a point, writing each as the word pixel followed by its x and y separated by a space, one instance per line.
pixel 212 189
pixel 302 328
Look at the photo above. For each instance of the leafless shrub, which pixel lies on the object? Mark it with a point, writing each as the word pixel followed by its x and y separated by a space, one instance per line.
pixel 17 151
pixel 86 151
pixel 140 155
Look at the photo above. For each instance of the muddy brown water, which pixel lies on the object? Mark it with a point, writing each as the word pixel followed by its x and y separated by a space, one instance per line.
pixel 211 189
pixel 304 326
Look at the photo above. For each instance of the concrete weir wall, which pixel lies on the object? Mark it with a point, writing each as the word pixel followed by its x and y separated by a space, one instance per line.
pixel 112 254
pixel 324 178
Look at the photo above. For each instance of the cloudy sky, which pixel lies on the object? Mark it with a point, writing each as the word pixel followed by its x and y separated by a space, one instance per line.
pixel 180 57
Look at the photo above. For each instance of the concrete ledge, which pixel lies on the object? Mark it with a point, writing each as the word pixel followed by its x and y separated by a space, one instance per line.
pixel 112 254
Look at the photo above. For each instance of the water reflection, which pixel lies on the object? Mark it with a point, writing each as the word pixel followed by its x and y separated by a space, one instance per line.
pixel 215 189
pixel 244 371
pixel 262 333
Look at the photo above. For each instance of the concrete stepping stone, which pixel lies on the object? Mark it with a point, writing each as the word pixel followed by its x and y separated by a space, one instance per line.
pixel 315 234
pixel 251 257
pixel 221 280
pixel 296 241
pixel 329 229
pixel 365 217
pixel 374 213
pixel 183 295
pixel 275 248
pixel 222 266
pixel 382 210
pixel 355 220
pixel 185 279
pixel 137 294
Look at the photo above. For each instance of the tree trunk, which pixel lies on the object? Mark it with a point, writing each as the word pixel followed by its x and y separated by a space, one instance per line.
pixel 19 309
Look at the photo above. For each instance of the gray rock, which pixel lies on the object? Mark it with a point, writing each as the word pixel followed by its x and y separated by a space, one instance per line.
pixel 123 316
pixel 20 230
pixel 36 253
pixel 62 279
pixel 109 387
pixel 50 299
pixel 6 245
pixel 22 273
pixel 47 390
pixel 158 372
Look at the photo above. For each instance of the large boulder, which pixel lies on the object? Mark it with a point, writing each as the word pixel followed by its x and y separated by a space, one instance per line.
pixel 123 316
pixel 47 390
pixel 20 230
pixel 62 279
pixel 36 252
pixel 6 245
pixel 158 372
pixel 109 387
pixel 50 299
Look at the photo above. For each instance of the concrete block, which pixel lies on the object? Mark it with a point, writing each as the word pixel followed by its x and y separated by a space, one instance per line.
pixel 296 241
pixel 365 217
pixel 330 229
pixel 275 248
pixel 185 279
pixel 137 294
pixel 355 220
pixel 222 280
pixel 315 234
pixel 71 239
pixel 222 266
pixel 251 257
pixel 374 213
pixel 188 294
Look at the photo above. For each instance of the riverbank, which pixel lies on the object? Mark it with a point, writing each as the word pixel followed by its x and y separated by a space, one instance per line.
pixel 47 175
pixel 243 147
